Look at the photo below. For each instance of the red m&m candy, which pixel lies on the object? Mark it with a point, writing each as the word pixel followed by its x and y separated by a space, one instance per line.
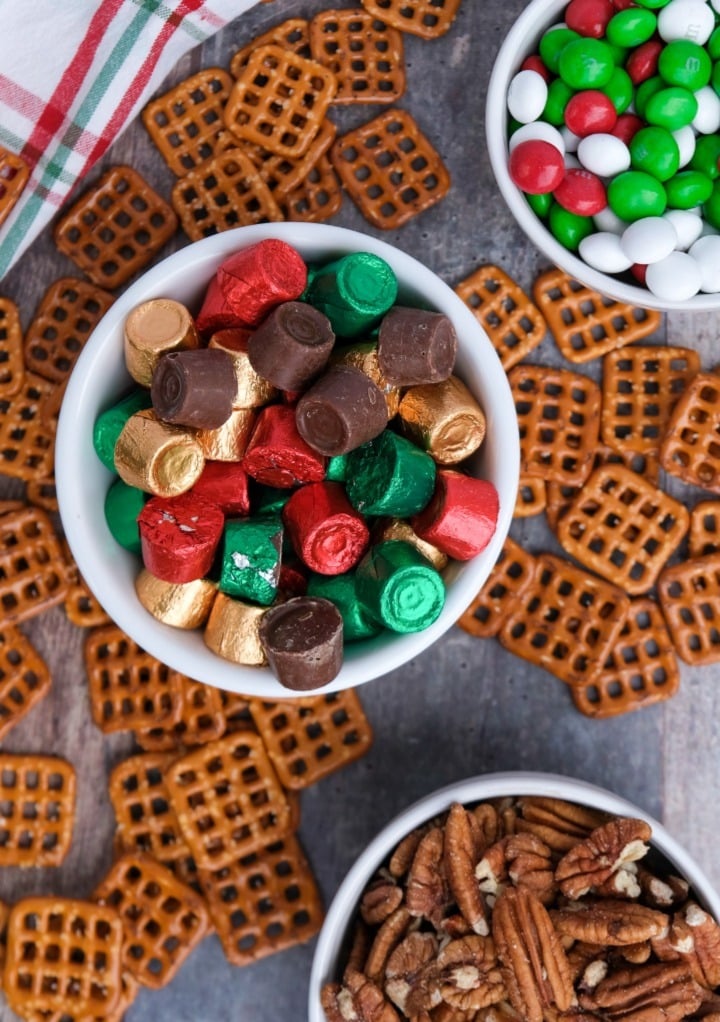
pixel 643 62
pixel 536 166
pixel 581 192
pixel 627 127
pixel 589 17
pixel 589 112
pixel 535 63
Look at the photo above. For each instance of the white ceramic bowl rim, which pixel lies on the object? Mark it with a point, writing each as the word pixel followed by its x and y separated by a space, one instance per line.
pixel 109 570
pixel 471 790
pixel 520 41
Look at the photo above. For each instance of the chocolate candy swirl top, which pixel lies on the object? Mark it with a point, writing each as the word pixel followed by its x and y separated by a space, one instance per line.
pixel 291 346
pixel 194 388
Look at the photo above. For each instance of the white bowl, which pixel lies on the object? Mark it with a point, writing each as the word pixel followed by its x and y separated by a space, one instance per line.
pixel 522 40
pixel 326 965
pixel 100 378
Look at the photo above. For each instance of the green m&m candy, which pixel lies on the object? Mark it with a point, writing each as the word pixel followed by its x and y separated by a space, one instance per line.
pixel 569 228
pixel 586 64
pixel 713 45
pixel 631 27
pixel 711 208
pixel 653 4
pixel 123 504
pixel 688 189
pixel 706 156
pixel 635 194
pixel 644 91
pixel 540 204
pixel 684 63
pixel 655 151
pixel 671 108
pixel 716 77
pixel 558 97
pixel 553 43
pixel 619 90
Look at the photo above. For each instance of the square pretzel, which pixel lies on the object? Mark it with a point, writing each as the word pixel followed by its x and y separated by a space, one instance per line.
pixel 642 670
pixel 224 192
pixel 279 100
pixel 283 175
pixel 14 173
pixel 317 197
pixel 27 443
pixel 146 820
pixel 24 677
pixel 623 528
pixel 307 739
pixel 201 720
pixel 427 18
pixel 390 170
pixel 81 606
pixel 32 569
pixel 163 919
pixel 365 54
pixel 63 955
pixel 293 34
pixel 689 594
pixel 567 621
pixel 68 313
pixel 38 798
pixel 228 799
pixel 510 319
pixel 586 324
pixel 236 709
pixel 264 902
pixel 691 446
pixel 128 687
pixel 704 534
pixel 559 420
pixel 185 123
pixel 12 368
pixel 511 575
pixel 641 386
pixel 116 228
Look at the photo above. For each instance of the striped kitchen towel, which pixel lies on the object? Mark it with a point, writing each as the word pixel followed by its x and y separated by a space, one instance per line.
pixel 73 73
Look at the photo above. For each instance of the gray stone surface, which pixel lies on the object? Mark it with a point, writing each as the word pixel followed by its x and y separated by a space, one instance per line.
pixel 466 706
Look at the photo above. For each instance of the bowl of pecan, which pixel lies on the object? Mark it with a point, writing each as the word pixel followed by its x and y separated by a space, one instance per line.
pixel 520 896
pixel 287 459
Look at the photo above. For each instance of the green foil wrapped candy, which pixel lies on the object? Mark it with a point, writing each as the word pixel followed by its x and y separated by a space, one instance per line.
pixel 341 590
pixel 399 587
pixel 109 424
pixel 123 504
pixel 390 476
pixel 354 292
pixel 250 568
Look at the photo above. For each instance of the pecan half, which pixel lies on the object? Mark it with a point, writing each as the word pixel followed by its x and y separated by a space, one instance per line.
pixel 382 896
pixel 662 892
pixel 558 823
pixel 502 1012
pixel 359 947
pixel 427 894
pixel 356 999
pixel 489 822
pixel 469 975
pixel 386 940
pixel 463 841
pixel 636 954
pixel 694 937
pixel 410 974
pixel 609 922
pixel 646 993
pixel 535 967
pixel 529 864
pixel 581 957
pixel 401 859
pixel 607 851
pixel 491 872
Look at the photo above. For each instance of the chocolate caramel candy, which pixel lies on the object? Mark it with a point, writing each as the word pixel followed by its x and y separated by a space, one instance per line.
pixel 291 346
pixel 184 605
pixel 303 642
pixel 462 516
pixel 194 388
pixel 157 457
pixel 250 283
pixel 179 537
pixel 416 346
pixel 443 418
pixel 364 356
pixel 152 329
pixel 341 411
pixel 328 534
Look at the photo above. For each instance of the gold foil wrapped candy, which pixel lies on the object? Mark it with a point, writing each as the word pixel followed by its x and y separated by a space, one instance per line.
pixel 156 457
pixel 396 528
pixel 252 389
pixel 443 418
pixel 233 631
pixel 152 329
pixel 227 442
pixel 180 604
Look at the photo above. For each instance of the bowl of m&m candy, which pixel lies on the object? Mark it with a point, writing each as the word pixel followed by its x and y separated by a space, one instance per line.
pixel 287 459
pixel 603 129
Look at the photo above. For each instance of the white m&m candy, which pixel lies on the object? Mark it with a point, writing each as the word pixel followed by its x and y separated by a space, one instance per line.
pixel 675 278
pixel 604 154
pixel 649 240
pixel 602 251
pixel 686 19
pixel 537 129
pixel 527 96
pixel 706 253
